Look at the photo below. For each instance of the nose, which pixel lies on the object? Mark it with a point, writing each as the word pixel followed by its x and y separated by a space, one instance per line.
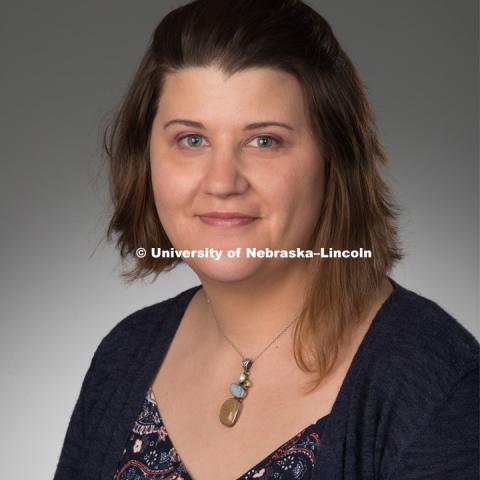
pixel 223 176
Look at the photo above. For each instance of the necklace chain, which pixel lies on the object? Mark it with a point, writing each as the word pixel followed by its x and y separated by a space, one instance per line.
pixel 235 347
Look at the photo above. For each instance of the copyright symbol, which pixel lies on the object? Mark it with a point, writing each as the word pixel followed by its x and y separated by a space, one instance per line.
pixel 140 252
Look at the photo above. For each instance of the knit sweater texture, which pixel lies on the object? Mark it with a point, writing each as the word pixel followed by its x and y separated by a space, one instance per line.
pixel 408 407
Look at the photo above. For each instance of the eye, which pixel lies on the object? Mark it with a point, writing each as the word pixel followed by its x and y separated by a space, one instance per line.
pixel 267 141
pixel 193 140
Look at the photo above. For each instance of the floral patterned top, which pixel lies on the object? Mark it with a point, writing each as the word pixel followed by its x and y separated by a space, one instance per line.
pixel 149 454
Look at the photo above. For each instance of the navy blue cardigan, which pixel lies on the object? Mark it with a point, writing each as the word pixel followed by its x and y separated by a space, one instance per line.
pixel 407 409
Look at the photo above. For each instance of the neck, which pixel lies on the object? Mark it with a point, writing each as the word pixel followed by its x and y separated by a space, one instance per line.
pixel 251 313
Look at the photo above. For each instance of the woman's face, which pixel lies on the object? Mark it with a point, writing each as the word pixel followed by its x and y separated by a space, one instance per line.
pixel 235 146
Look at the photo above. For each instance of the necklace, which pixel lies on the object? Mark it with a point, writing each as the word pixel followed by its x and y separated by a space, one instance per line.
pixel 231 408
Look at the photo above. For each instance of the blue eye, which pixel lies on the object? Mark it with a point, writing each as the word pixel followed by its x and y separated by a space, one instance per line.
pixel 267 141
pixel 193 140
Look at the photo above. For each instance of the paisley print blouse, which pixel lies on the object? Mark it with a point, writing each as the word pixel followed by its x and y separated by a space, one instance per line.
pixel 149 454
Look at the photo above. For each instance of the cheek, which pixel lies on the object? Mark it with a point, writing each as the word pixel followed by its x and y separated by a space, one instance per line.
pixel 171 188
pixel 163 191
pixel 296 194
pixel 171 198
pixel 314 187
pixel 312 181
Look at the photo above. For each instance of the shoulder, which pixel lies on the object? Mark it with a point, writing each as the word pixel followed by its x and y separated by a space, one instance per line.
pixel 416 365
pixel 419 370
pixel 132 330
pixel 418 350
pixel 430 333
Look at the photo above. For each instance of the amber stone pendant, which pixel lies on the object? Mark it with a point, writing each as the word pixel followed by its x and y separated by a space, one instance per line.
pixel 230 411
pixel 232 407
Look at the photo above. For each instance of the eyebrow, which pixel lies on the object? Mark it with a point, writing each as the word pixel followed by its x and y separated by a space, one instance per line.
pixel 250 126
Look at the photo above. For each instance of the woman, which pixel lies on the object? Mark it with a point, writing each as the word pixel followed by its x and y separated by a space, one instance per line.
pixel 246 142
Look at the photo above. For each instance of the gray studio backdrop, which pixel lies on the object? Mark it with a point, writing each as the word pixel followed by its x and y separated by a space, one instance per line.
pixel 65 65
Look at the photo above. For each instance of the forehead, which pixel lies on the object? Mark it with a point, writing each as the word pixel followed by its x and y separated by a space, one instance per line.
pixel 252 93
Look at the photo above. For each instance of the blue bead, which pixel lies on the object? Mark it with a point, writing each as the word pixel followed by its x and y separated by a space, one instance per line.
pixel 237 390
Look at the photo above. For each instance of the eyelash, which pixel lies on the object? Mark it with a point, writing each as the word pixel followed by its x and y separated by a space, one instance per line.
pixel 278 142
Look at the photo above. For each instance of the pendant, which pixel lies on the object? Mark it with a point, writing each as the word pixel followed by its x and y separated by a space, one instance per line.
pixel 232 407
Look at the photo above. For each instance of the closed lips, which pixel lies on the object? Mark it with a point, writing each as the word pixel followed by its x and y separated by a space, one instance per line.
pixel 226 219
pixel 226 215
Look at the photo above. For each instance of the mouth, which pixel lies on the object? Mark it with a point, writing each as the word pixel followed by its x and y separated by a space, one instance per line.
pixel 226 219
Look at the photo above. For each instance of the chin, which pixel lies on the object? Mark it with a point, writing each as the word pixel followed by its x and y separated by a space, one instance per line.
pixel 226 270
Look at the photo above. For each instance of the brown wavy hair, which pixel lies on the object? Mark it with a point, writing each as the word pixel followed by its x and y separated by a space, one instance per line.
pixel 357 211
